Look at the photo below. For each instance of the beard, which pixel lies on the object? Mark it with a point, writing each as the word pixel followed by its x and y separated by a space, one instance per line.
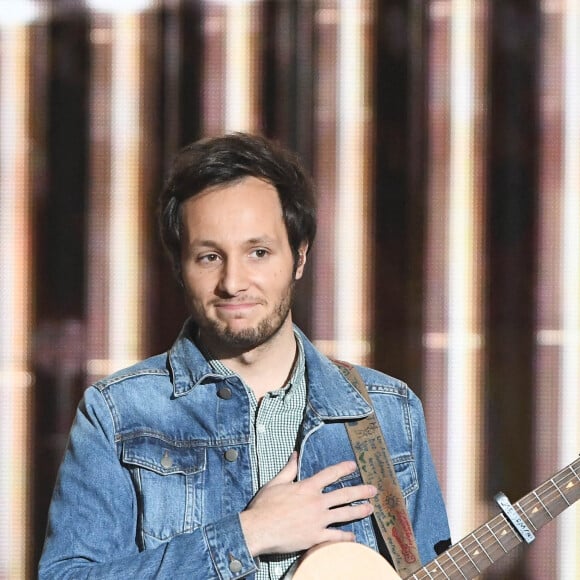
pixel 219 336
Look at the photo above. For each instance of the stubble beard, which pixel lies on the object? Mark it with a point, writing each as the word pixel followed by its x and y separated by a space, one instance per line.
pixel 225 338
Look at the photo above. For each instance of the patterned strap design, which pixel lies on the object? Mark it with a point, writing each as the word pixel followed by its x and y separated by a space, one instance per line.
pixel 376 468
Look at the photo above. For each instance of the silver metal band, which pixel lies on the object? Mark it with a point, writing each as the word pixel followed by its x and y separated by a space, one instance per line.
pixel 512 515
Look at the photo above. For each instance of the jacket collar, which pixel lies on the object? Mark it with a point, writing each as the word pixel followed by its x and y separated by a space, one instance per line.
pixel 188 366
pixel 330 395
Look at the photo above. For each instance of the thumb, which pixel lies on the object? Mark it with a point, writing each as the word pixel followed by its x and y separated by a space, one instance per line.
pixel 289 472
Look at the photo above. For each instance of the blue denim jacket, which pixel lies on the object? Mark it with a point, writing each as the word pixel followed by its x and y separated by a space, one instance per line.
pixel 157 468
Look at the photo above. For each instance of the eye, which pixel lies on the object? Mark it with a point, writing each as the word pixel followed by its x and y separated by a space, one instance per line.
pixel 208 258
pixel 260 253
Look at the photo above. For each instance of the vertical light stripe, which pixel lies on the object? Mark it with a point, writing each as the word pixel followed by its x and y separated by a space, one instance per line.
pixel 126 292
pixel 213 81
pixel 554 554
pixel 325 115
pixel 435 337
pixel 569 430
pixel 241 82
pixel 464 382
pixel 352 239
pixel 15 297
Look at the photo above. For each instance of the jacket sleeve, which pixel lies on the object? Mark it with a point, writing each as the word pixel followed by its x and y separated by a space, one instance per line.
pixel 426 507
pixel 92 522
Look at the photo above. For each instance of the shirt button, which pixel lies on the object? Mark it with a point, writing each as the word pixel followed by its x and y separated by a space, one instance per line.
pixel 225 393
pixel 231 455
pixel 235 566
pixel 261 428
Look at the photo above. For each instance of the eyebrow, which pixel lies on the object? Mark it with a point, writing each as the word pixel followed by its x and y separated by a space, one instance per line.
pixel 260 240
pixel 248 242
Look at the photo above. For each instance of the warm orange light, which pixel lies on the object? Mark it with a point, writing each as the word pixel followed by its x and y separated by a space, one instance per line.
pixel 15 301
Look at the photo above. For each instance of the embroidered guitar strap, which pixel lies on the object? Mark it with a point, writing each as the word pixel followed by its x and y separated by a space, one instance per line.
pixel 376 468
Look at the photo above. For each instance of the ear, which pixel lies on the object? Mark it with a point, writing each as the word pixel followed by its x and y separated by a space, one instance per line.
pixel 302 251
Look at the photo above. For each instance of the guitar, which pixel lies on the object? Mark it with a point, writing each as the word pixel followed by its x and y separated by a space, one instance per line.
pixel 465 559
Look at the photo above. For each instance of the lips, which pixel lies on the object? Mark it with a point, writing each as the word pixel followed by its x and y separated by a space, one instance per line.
pixel 239 307
pixel 238 302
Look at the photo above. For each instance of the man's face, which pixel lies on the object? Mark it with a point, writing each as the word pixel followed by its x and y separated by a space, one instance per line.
pixel 237 265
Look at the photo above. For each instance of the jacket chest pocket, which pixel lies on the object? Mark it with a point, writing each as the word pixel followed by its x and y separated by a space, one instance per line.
pixel 169 481
pixel 406 476
pixel 408 482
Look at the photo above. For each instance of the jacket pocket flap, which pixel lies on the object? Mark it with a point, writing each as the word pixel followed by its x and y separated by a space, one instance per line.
pixel 163 457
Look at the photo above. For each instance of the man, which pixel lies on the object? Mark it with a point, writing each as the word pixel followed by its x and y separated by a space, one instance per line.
pixel 228 456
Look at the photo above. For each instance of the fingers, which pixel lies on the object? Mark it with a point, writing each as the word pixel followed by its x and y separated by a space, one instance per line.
pixel 342 504
pixel 288 515
pixel 321 479
pixel 332 474
pixel 349 494
pixel 344 495
pixel 349 513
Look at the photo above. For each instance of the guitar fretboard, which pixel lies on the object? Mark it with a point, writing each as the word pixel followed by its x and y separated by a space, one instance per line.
pixel 488 543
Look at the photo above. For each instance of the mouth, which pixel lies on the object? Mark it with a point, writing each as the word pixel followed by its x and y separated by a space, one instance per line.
pixel 236 308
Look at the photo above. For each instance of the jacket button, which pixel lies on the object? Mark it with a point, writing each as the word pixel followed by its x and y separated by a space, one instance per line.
pixel 225 393
pixel 166 460
pixel 235 566
pixel 231 455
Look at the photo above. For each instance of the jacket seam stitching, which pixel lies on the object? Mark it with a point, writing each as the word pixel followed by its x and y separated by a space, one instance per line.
pixel 105 383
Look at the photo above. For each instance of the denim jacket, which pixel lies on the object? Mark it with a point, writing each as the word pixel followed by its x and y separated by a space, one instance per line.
pixel 157 468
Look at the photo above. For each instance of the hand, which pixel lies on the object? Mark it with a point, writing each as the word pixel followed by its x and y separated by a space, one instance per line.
pixel 287 516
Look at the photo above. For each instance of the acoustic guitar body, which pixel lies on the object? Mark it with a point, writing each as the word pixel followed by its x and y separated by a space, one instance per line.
pixel 342 561
pixel 464 560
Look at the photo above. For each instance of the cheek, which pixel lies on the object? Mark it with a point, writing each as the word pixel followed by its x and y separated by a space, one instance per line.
pixel 280 282
pixel 195 291
pixel 198 282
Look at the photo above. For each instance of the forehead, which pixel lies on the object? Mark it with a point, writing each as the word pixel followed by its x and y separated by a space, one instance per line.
pixel 249 203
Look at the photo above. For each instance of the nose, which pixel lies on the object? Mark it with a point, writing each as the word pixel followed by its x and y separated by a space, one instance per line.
pixel 234 277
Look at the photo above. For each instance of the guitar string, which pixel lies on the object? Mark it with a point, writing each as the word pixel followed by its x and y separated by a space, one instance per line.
pixel 459 554
pixel 493 533
pixel 552 496
pixel 490 537
pixel 551 492
pixel 548 491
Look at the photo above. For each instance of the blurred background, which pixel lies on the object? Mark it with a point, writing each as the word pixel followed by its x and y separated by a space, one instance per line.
pixel 444 137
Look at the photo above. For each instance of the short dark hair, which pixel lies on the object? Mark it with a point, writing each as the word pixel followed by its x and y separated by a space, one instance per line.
pixel 226 159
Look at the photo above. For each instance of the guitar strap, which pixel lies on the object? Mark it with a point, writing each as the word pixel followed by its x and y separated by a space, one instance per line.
pixel 376 468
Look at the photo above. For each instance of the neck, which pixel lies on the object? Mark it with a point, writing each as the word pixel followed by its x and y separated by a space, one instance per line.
pixel 266 367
